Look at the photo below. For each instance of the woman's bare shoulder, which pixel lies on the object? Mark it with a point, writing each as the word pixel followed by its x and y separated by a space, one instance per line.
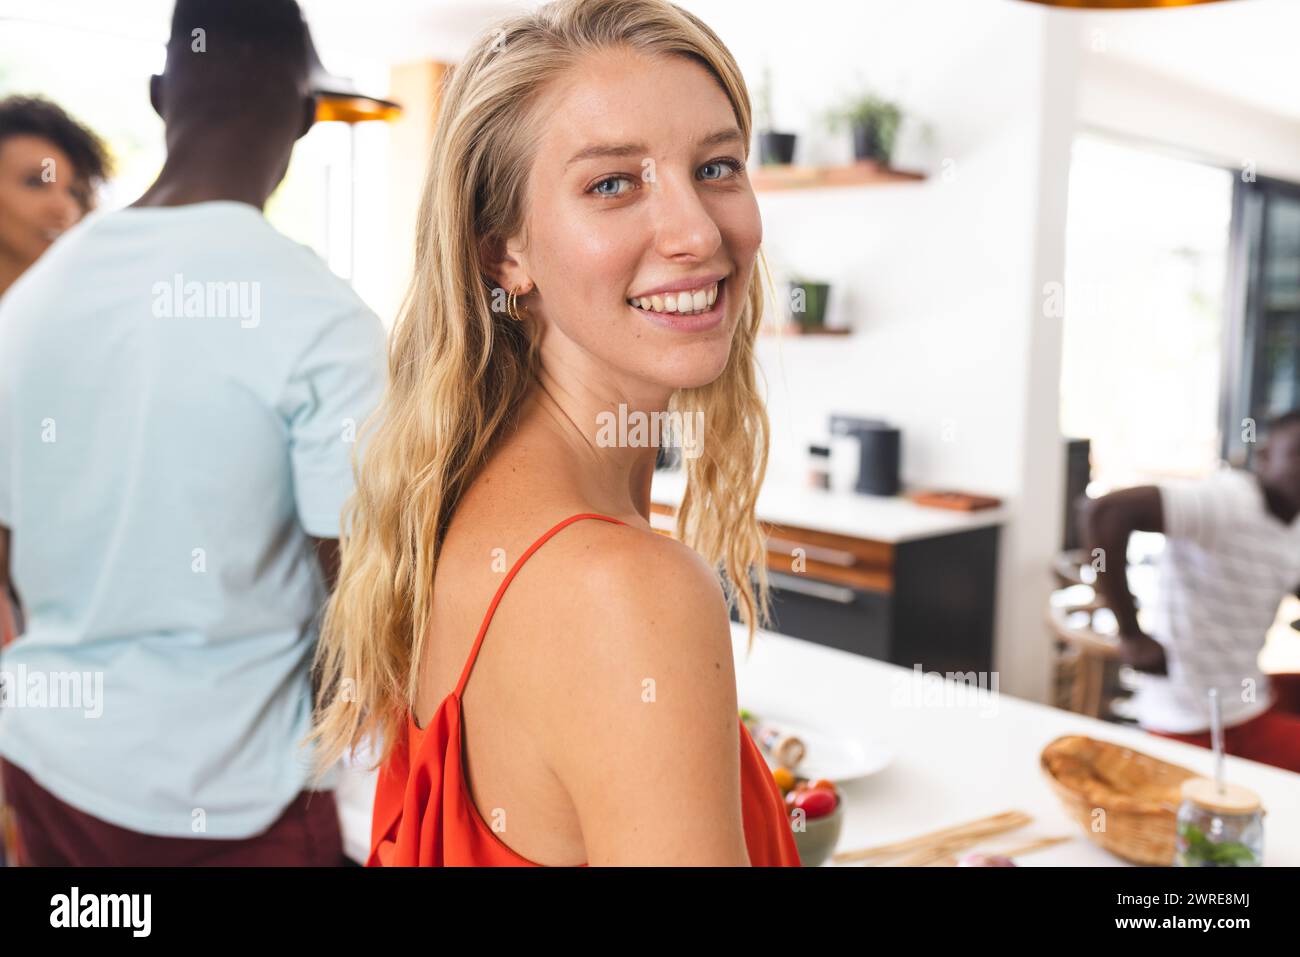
pixel 601 601
pixel 624 574
pixel 636 702
pixel 624 604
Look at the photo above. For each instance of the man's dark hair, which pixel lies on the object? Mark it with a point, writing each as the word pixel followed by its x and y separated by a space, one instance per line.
pixel 35 116
pixel 1284 421
pixel 227 46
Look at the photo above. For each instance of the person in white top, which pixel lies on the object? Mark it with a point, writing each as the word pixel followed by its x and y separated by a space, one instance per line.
pixel 1232 554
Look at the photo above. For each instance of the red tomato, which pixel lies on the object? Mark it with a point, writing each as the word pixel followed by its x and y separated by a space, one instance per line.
pixel 816 802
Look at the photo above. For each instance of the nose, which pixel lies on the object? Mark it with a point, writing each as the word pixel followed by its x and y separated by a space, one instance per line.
pixel 684 225
pixel 62 209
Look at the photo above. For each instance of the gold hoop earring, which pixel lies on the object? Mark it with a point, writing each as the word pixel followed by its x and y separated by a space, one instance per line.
pixel 512 305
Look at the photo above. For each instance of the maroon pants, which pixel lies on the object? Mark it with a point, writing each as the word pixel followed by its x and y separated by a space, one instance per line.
pixel 54 834
pixel 1270 738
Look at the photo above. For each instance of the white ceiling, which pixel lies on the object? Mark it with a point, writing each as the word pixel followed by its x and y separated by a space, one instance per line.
pixel 1244 49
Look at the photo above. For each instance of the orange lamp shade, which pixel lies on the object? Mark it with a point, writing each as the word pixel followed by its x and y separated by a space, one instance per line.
pixel 1121 4
pixel 336 108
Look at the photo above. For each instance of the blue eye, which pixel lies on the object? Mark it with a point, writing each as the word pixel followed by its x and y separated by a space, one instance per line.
pixel 611 179
pixel 734 164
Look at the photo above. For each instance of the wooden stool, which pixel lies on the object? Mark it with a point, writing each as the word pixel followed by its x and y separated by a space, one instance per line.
pixel 1070 619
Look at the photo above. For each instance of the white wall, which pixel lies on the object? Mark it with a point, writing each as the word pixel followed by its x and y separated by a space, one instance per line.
pixel 940 281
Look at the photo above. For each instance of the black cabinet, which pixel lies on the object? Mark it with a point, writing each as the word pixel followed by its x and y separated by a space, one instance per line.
pixel 851 619
pixel 937 613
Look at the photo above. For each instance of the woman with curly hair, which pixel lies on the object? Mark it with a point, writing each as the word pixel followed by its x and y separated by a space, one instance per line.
pixel 585 253
pixel 50 167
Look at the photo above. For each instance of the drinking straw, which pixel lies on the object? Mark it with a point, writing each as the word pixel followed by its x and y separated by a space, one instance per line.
pixel 1216 738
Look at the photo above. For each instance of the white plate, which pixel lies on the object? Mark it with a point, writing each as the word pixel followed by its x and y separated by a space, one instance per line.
pixel 835 757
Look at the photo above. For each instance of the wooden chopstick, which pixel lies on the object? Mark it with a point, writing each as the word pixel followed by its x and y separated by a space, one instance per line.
pixel 994 824
pixel 972 830
pixel 1018 851
pixel 1037 845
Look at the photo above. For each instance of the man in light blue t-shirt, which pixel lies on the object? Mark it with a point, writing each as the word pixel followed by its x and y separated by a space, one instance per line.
pixel 180 391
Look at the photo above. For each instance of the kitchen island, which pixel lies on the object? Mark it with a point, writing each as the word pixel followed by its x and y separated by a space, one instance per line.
pixel 974 757
pixel 952 763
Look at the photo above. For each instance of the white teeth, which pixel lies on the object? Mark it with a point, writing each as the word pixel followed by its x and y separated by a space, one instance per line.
pixel 698 300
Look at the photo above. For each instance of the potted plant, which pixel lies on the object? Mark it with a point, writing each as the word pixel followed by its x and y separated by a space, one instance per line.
pixel 808 302
pixel 774 148
pixel 874 122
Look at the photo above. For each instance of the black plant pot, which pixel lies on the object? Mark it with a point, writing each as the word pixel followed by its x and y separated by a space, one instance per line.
pixel 775 149
pixel 866 144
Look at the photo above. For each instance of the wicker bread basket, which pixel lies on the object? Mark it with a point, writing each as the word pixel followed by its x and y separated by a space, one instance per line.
pixel 1138 793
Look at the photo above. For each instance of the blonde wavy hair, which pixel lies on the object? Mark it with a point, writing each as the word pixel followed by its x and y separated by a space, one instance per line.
pixel 458 370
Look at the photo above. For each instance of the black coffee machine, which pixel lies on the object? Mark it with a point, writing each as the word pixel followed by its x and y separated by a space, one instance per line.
pixel 880 449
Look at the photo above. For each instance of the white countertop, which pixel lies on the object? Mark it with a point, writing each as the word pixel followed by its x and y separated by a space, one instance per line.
pixel 952 764
pixel 965 760
pixel 883 519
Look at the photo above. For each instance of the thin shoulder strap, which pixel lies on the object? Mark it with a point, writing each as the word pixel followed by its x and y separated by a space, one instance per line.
pixel 496 599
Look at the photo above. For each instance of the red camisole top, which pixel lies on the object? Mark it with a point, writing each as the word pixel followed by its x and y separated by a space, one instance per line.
pixel 424 814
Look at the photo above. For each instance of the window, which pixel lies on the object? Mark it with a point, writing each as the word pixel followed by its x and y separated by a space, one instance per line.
pixel 1147 244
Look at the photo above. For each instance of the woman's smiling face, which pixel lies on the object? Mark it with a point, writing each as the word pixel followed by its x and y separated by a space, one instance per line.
pixel 41 196
pixel 638 183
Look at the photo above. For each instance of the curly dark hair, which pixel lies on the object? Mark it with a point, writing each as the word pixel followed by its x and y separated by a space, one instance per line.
pixel 36 116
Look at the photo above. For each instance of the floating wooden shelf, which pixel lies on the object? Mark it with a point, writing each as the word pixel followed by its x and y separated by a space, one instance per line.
pixel 768 178
pixel 793 329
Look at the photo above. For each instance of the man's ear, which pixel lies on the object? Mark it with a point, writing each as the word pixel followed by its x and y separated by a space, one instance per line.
pixel 308 115
pixel 156 94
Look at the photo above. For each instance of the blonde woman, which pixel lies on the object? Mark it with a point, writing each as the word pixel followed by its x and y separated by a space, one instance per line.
pixel 586 155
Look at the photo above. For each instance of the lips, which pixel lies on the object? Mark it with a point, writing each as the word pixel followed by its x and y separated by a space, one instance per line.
pixel 693 321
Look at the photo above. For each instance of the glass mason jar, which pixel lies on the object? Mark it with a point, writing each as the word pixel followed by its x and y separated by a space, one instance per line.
pixel 1219 828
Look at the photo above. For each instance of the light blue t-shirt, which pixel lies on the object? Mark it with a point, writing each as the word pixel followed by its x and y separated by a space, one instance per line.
pixel 180 392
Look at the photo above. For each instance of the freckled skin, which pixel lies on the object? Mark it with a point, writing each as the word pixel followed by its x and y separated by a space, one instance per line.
pixel 596 231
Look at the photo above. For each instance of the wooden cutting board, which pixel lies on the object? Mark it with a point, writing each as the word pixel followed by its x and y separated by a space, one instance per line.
pixel 955 501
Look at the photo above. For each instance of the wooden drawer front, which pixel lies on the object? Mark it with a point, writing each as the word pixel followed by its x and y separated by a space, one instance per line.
pixel 836 559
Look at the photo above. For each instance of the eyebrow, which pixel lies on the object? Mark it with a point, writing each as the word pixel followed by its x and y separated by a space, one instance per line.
pixel 603 150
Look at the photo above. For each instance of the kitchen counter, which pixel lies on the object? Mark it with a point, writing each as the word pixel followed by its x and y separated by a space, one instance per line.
pixel 952 763
pixel 883 519
pixel 963 760
pixel 881 577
